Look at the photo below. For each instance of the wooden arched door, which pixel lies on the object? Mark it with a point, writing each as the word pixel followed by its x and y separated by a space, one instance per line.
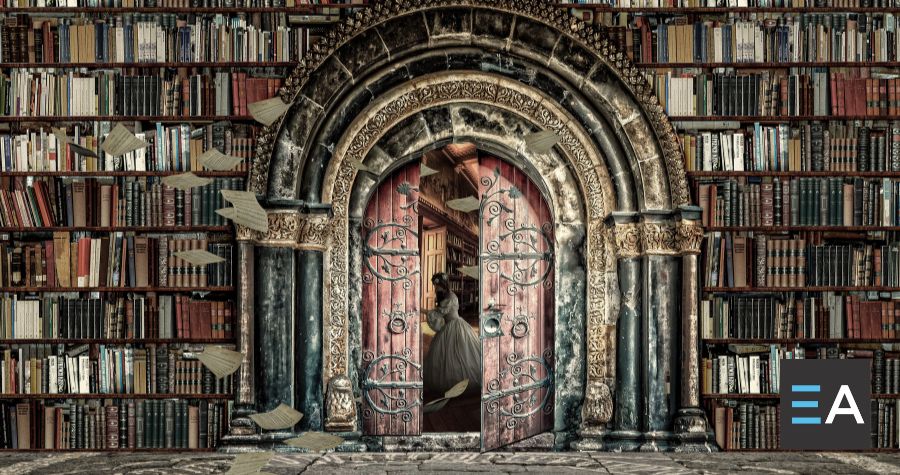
pixel 391 278
pixel 517 306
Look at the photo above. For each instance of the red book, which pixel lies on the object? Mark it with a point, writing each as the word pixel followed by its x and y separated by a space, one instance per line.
pixel 235 94
pixel 179 321
pixel 196 320
pixel 51 264
pixel 84 262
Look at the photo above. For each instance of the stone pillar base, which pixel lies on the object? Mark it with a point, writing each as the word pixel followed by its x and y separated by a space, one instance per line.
pixel 659 441
pixel 591 439
pixel 692 432
pixel 624 441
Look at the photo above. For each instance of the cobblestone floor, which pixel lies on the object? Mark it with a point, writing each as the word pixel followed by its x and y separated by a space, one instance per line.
pixel 444 463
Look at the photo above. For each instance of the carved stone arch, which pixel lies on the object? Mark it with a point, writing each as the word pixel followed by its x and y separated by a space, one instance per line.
pixel 403 61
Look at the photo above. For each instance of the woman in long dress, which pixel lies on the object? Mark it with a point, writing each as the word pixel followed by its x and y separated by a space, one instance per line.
pixel 455 350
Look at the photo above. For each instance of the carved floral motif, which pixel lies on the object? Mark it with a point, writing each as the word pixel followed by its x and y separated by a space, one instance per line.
pixel 689 235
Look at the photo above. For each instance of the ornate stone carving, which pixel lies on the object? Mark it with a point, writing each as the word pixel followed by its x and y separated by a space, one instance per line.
pixel 659 238
pixel 598 404
pixel 689 235
pixel 340 406
pixel 628 240
pixel 289 228
pixel 399 104
pixel 589 36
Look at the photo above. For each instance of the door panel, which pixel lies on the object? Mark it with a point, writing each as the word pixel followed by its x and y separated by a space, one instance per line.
pixel 516 258
pixel 391 282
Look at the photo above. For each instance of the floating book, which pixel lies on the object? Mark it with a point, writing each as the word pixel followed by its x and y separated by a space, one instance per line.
pixel 121 141
pixel 470 271
pixel 267 112
pixel 466 205
pixel 248 463
pixel 215 160
pixel 220 361
pixel 246 211
pixel 199 257
pixel 63 139
pixel 451 393
pixel 185 181
pixel 541 142
pixel 425 170
pixel 282 417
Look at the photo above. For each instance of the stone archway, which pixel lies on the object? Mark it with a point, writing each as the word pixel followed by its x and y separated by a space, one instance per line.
pixel 631 234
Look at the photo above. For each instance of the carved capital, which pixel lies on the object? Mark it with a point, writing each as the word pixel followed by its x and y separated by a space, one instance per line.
pixel 659 238
pixel 340 405
pixel 689 235
pixel 289 228
pixel 628 240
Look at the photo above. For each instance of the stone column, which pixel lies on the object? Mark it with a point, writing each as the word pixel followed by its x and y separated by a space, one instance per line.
pixel 626 434
pixel 308 325
pixel 691 426
pixel 659 350
pixel 245 391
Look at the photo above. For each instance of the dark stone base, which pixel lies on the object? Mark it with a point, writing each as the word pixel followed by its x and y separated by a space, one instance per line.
pixel 590 439
pixel 692 432
pixel 660 441
pixel 624 441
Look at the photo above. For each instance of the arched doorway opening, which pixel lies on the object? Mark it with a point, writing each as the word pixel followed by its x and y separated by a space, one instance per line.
pixel 485 227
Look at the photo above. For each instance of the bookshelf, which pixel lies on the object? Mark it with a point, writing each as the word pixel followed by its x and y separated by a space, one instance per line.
pixel 100 323
pixel 759 116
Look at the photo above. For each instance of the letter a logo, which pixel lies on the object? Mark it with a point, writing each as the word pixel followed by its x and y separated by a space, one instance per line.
pixel 836 408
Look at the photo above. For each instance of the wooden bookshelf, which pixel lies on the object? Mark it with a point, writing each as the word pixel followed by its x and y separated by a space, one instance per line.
pixel 299 9
pixel 136 229
pixel 118 289
pixel 773 65
pixel 115 396
pixel 799 174
pixel 189 119
pixel 216 65
pixel 762 290
pixel 112 341
pixel 823 228
pixel 774 119
pixel 802 341
pixel 603 8
pixel 103 174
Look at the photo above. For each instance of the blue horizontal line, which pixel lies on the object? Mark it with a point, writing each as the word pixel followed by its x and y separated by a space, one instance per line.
pixel 804 403
pixel 806 388
pixel 806 420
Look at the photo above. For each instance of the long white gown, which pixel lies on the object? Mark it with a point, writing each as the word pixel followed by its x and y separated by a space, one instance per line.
pixel 455 351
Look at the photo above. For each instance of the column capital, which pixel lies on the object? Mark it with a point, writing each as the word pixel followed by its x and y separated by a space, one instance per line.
pixel 689 231
pixel 658 233
pixel 290 228
pixel 626 233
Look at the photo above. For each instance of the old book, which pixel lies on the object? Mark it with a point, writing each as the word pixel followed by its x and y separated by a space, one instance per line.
pixel 193 427
pixel 739 246
pixel 141 261
pixel 79 203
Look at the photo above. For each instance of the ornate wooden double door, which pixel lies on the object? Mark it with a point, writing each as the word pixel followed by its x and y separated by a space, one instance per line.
pixel 516 301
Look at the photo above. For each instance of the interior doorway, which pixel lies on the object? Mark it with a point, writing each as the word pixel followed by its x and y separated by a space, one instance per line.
pixel 458 283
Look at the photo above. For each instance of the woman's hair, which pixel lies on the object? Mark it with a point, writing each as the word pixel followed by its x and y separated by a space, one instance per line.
pixel 441 279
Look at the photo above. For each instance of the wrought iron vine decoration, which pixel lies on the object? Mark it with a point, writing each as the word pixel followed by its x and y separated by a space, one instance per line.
pixel 530 265
pixel 390 263
pixel 388 373
pixel 525 393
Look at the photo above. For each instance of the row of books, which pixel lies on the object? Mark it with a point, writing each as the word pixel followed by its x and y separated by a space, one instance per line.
pixel 757 373
pixel 136 316
pixel 809 147
pixel 114 260
pixel 47 92
pixel 735 260
pixel 825 315
pixel 176 3
pixel 113 424
pixel 152 38
pixel 831 201
pixel 756 369
pixel 170 148
pixel 885 430
pixel 126 201
pixel 798 37
pixel 103 369
pixel 744 425
pixel 722 3
pixel 794 92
